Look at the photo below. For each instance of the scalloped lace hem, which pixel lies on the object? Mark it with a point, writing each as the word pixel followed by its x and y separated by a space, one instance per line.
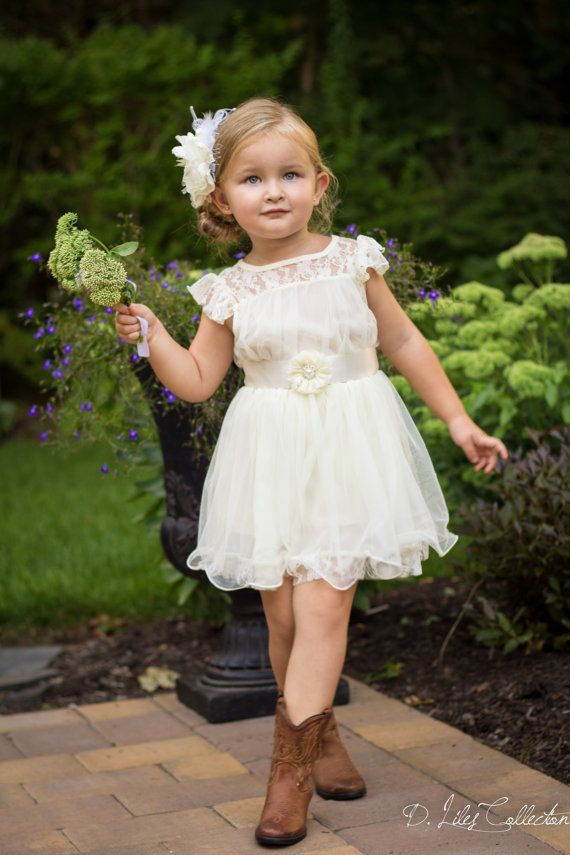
pixel 340 572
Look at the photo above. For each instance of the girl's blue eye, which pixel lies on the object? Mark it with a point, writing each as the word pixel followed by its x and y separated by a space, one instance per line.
pixel 257 176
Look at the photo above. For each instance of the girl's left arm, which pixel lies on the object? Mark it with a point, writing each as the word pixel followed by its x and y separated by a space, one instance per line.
pixel 409 351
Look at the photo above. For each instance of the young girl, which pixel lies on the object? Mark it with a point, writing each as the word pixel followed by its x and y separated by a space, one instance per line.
pixel 319 477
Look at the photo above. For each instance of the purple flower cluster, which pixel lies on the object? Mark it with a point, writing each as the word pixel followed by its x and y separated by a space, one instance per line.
pixel 431 295
pixel 170 396
pixel 86 407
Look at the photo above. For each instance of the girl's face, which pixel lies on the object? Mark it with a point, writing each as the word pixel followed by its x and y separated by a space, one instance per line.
pixel 271 187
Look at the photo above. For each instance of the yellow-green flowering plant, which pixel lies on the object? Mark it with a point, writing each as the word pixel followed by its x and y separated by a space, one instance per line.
pixel 80 266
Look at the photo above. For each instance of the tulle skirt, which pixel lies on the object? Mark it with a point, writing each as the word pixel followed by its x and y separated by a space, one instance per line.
pixel 337 485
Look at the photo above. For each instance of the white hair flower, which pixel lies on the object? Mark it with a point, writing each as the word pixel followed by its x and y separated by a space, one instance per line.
pixel 195 153
pixel 309 371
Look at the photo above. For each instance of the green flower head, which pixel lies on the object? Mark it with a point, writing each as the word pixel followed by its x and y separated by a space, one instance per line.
pixel 70 245
pixel 103 277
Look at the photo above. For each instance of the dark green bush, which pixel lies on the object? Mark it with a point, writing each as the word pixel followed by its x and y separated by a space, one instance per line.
pixel 520 551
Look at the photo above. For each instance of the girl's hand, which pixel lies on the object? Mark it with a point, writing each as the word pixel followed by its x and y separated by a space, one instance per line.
pixel 479 447
pixel 128 327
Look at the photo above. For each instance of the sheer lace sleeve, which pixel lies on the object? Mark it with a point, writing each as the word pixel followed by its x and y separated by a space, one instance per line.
pixel 369 253
pixel 215 297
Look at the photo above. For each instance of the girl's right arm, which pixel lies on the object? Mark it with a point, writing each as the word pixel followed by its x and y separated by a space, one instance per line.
pixel 192 374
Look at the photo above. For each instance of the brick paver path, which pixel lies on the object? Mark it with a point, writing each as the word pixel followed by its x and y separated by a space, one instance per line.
pixel 150 777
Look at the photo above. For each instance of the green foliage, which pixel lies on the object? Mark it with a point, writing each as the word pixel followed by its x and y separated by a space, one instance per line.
pixel 506 358
pixel 520 548
pixel 534 257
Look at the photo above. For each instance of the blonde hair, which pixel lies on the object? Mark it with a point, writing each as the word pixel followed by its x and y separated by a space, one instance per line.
pixel 252 117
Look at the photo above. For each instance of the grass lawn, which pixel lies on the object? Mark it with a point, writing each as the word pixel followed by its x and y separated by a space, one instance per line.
pixel 70 547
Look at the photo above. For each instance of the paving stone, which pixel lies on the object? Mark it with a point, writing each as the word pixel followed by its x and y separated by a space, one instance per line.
pixel 15 822
pixel 144 753
pixel 125 730
pixel 248 739
pixel 169 702
pixel 452 760
pixel 142 799
pixel 243 813
pixel 408 733
pixel 144 830
pixel 149 778
pixel 8 750
pixel 39 843
pixel 241 841
pixel 117 709
pixel 396 838
pixel 155 849
pixel 40 718
pixel 20 666
pixel 386 799
pixel 38 768
pixel 58 739
pixel 14 795
pixel 218 765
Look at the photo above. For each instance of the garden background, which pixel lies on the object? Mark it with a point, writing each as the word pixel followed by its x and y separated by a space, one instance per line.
pixel 447 126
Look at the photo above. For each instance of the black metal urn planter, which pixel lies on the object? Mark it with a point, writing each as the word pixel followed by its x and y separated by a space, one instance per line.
pixel 238 681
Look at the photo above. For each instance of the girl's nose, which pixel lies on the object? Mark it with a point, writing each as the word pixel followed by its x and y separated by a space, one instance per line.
pixel 273 190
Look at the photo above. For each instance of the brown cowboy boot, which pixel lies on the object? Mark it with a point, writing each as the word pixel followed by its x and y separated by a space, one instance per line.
pixel 295 746
pixel 334 773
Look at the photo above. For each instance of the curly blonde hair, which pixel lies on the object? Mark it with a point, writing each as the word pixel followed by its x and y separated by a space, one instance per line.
pixel 251 117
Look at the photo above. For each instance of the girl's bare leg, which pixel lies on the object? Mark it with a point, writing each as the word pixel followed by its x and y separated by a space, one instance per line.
pixel 278 608
pixel 321 614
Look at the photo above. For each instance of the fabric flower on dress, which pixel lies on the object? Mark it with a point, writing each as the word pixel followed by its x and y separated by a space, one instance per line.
pixel 309 371
pixel 195 153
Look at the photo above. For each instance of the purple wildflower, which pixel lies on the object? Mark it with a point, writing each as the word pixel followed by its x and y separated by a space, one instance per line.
pixel 109 310
pixel 29 313
pixel 44 435
pixel 351 229
pixel 180 276
pixel 239 254
pixel 434 295
pixel 195 317
pixel 58 374
pixel 390 242
pixel 49 407
pixel 171 397
pixel 67 348
pixel 47 364
pixel 133 434
pixel 135 357
pixel 33 410
pixel 165 284
pixel 105 468
pixel 78 304
pixel 39 333
pixel 199 429
pixel 37 256
pixel 91 319
pixel 86 406
pixel 422 292
pixel 172 265
pixel 65 361
pixel 50 328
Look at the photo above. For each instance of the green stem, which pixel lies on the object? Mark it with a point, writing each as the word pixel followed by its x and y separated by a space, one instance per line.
pixel 106 248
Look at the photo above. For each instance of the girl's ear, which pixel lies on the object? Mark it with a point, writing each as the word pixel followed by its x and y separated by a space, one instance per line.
pixel 321 183
pixel 218 198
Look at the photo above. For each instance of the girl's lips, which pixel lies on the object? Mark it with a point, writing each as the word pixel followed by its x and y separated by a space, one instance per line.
pixel 277 211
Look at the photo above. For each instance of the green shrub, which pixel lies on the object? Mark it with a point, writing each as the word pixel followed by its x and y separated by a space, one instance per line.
pixel 520 548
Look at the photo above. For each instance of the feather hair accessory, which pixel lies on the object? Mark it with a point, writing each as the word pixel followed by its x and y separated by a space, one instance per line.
pixel 196 155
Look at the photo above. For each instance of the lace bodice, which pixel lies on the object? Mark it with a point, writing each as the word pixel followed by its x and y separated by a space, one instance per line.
pixel 316 300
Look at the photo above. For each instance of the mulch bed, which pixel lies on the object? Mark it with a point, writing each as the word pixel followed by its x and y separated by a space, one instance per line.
pixel 516 703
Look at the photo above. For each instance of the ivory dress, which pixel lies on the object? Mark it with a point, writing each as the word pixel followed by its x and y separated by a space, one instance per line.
pixel 319 470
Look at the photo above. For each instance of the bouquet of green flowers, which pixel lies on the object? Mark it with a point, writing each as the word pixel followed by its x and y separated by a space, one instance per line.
pixel 80 266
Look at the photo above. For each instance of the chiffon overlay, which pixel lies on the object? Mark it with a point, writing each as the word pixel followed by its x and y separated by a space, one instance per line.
pixel 319 470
